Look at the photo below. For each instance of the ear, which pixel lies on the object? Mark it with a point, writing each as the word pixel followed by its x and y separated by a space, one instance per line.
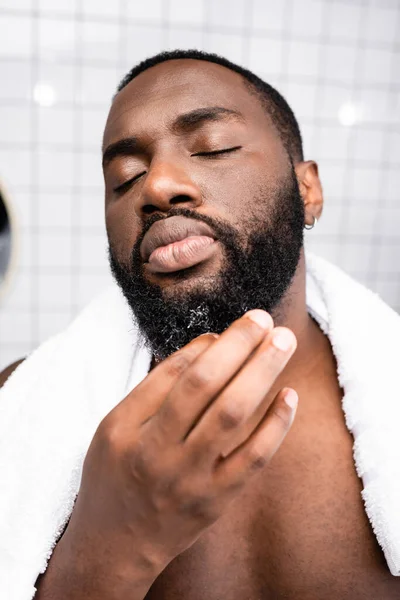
pixel 310 189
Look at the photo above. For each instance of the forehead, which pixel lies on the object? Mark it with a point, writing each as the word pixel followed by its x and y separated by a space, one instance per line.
pixel 155 97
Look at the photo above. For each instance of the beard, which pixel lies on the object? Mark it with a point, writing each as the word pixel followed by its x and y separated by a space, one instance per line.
pixel 256 274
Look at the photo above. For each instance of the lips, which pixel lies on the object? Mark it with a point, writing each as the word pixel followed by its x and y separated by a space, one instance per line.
pixel 172 229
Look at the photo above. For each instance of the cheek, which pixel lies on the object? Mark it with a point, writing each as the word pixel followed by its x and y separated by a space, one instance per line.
pixel 235 194
pixel 122 231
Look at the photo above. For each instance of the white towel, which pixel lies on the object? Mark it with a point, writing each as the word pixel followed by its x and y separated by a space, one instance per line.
pixel 52 404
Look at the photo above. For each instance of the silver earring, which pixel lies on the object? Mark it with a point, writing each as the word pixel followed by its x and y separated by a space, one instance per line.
pixel 308 227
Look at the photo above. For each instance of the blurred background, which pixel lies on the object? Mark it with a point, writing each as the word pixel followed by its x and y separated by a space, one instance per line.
pixel 337 62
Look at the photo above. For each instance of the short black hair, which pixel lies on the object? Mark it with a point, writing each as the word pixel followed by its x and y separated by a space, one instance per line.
pixel 275 104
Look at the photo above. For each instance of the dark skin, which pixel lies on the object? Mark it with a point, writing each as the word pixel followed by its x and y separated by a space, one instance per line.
pixel 147 109
pixel 307 525
pixel 299 530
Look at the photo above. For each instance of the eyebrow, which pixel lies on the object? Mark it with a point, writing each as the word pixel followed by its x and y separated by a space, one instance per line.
pixel 196 118
pixel 125 147
pixel 183 123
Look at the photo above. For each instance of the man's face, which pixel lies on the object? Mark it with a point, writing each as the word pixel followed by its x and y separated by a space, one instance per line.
pixel 181 114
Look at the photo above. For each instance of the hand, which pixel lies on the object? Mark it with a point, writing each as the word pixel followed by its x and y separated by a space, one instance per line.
pixel 155 476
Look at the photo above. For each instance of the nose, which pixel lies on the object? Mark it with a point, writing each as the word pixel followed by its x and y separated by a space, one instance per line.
pixel 166 185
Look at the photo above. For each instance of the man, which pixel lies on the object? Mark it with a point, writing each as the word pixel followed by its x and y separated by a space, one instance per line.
pixel 207 195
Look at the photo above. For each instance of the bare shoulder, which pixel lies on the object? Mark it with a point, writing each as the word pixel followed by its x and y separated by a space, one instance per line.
pixel 4 375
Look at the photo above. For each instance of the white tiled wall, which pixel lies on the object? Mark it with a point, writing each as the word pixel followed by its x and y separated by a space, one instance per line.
pixel 336 61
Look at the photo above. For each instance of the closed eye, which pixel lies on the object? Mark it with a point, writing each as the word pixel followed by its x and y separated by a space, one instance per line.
pixel 124 186
pixel 214 152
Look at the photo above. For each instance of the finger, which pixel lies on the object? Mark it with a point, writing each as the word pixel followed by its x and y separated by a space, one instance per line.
pixel 241 397
pixel 146 398
pixel 257 451
pixel 210 373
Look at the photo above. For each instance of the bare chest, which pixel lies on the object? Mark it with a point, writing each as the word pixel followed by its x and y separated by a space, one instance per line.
pixel 298 531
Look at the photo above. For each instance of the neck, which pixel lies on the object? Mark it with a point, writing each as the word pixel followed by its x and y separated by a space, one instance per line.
pixel 293 313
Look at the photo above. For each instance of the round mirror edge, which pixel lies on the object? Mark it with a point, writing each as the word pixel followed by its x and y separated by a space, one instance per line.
pixel 6 282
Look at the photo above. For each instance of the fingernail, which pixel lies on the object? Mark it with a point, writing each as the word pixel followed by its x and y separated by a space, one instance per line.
pixel 215 335
pixel 262 318
pixel 291 398
pixel 282 339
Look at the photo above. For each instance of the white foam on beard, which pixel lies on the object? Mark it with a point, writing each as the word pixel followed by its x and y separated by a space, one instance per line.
pixel 199 317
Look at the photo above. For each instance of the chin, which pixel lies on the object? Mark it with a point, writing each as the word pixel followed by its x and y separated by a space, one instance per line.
pixel 196 277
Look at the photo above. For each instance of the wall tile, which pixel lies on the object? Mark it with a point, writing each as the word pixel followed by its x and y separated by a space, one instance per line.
pixel 227 14
pixel 57 39
pixel 93 250
pixel 392 196
pixel 184 39
pixel 19 293
pixel 9 353
pixel 50 323
pixel 22 5
pixel 61 6
pixel 27 250
pixel 100 41
pixel 23 205
pixel 15 330
pixel 333 142
pixel 101 8
pixel 54 249
pixel 354 257
pixel 15 168
pixel 393 138
pixel 303 59
pixel 322 246
pixel 91 284
pixel 310 147
pixel 225 44
pixel 301 97
pixel 377 67
pixel 332 99
pixel 340 63
pixel 331 220
pixel 307 15
pixel 332 178
pixel 17 74
pixel 55 210
pixel 388 259
pixel 181 11
pixel 97 84
pixel 61 77
pixel 92 127
pixel 265 56
pixel 263 18
pixel 361 220
pixel 389 291
pixel 54 290
pixel 382 24
pixel 91 211
pixel 379 106
pixel 142 42
pixel 151 10
pixel 55 169
pixel 364 184
pixel 90 172
pixel 55 126
pixel 15 124
pixel 369 145
pixel 388 220
pixel 344 20
pixel 15 35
